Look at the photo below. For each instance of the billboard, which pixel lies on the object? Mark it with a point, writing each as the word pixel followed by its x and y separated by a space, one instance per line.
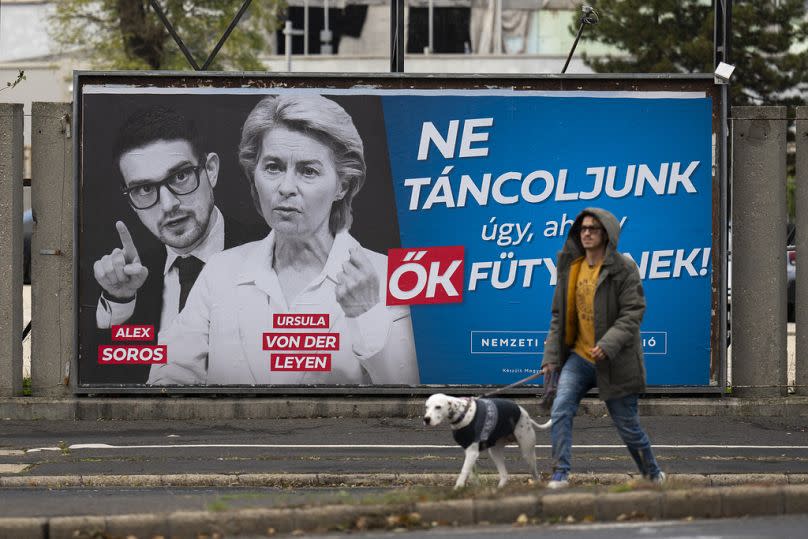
pixel 250 236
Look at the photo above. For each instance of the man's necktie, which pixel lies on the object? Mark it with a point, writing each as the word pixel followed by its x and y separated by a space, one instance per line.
pixel 189 268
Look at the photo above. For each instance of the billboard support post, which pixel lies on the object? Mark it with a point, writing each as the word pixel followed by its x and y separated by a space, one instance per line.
pixel 188 56
pixel 723 248
pixel 52 293
pixel 397 36
pixel 11 143
pixel 722 38
pixel 226 34
pixel 181 44
pixel 801 292
pixel 759 365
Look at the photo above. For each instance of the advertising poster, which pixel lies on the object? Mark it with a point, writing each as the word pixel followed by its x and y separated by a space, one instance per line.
pixel 270 238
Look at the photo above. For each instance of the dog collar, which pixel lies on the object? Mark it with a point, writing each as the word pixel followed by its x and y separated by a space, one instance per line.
pixel 463 413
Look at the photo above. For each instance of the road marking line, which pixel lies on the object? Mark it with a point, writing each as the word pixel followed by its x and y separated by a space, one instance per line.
pixel 12 468
pixel 391 446
pixel 11 452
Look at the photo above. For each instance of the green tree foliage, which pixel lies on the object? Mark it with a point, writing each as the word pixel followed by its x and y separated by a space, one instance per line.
pixel 128 34
pixel 676 36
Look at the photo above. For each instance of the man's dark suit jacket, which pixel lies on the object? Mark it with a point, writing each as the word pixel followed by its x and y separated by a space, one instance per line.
pixel 149 308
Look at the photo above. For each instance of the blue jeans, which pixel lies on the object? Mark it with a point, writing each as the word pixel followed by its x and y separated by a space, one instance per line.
pixel 577 377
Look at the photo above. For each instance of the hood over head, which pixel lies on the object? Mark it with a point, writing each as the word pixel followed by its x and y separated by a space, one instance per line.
pixel 610 224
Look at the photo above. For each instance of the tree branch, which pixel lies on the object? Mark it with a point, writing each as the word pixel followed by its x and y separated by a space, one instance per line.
pixel 19 79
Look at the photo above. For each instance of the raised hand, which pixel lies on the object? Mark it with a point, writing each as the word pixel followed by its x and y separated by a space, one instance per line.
pixel 357 284
pixel 120 273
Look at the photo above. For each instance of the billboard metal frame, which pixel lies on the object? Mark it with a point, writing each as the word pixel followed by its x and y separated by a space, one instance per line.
pixel 403 81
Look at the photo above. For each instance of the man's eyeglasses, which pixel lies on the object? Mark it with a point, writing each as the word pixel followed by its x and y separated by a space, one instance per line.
pixel 180 182
pixel 591 228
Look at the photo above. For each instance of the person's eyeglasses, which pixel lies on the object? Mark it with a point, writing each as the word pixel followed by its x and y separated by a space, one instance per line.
pixel 591 228
pixel 180 182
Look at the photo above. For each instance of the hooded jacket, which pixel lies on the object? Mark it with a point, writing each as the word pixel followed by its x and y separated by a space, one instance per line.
pixel 619 307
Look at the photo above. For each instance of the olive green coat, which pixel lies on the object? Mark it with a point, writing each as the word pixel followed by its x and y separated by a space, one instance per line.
pixel 619 307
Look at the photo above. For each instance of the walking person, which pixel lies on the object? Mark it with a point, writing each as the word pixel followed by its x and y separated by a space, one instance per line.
pixel 594 340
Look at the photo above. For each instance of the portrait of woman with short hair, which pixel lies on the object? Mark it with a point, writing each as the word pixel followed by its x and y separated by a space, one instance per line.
pixel 304 160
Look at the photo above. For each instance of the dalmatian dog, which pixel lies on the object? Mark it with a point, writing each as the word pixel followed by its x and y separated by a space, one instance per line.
pixel 480 424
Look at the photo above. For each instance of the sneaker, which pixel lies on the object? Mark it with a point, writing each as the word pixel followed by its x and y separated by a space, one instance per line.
pixel 659 479
pixel 559 480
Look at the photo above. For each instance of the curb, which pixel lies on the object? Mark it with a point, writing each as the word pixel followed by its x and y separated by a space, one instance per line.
pixel 213 408
pixel 285 480
pixel 518 510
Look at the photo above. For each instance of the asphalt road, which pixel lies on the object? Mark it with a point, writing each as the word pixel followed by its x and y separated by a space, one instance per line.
pixel 684 445
pixel 31 502
pixel 338 445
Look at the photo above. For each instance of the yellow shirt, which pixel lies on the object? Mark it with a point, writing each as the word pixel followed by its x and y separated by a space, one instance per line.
pixel 585 308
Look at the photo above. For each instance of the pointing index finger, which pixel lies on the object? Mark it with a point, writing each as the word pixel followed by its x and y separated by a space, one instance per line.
pixel 130 253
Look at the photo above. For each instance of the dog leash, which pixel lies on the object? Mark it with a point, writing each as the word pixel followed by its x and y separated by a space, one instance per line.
pixel 513 385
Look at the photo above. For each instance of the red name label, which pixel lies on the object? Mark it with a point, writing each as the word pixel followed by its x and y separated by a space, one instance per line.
pixel 302 321
pixel 301 341
pixel 132 333
pixel 295 362
pixel 425 275
pixel 145 354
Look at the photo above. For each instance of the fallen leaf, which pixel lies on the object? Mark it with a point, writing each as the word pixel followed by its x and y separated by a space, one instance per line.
pixel 361 523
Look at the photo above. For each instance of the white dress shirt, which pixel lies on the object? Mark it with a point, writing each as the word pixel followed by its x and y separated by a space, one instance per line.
pixel 217 339
pixel 109 313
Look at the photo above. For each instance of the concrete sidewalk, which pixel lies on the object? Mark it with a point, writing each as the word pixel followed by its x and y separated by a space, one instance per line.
pixel 213 408
pixel 524 509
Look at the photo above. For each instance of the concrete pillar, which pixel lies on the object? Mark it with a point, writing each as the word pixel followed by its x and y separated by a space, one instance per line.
pixel 11 148
pixel 801 292
pixel 52 294
pixel 759 251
